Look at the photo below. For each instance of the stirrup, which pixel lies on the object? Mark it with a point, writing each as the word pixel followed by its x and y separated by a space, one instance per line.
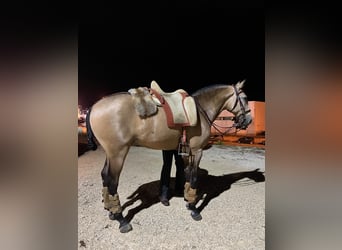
pixel 184 149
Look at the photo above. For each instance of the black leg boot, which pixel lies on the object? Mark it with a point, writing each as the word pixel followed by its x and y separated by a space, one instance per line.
pixel 164 196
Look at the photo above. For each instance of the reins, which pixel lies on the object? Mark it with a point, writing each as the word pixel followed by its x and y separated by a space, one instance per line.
pixel 227 129
pixel 212 123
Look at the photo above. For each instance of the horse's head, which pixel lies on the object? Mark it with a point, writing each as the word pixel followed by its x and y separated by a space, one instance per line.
pixel 238 105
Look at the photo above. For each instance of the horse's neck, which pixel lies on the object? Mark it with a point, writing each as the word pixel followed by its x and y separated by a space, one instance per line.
pixel 212 104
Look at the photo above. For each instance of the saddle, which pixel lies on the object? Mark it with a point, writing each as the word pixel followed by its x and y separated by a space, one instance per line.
pixel 179 107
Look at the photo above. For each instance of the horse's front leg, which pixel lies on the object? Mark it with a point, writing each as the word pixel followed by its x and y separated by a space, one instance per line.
pixel 190 187
pixel 110 178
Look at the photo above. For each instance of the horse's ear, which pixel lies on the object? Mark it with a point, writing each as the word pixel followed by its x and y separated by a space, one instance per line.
pixel 239 85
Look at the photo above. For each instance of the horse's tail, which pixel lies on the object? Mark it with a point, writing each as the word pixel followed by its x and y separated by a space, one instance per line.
pixel 91 142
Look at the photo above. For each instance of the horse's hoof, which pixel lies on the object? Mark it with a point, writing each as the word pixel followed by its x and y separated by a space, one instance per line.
pixel 125 228
pixel 196 215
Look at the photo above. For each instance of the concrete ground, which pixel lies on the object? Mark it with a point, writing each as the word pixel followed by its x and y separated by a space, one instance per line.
pixel 232 203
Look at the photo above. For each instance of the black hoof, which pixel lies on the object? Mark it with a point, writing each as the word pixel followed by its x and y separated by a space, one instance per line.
pixel 196 215
pixel 111 216
pixel 125 228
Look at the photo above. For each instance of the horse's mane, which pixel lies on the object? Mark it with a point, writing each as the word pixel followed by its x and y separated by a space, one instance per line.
pixel 210 87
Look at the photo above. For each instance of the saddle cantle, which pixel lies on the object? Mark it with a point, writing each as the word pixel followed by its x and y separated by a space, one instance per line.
pixel 179 107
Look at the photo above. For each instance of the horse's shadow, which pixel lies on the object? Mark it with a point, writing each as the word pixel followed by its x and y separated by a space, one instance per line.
pixel 209 187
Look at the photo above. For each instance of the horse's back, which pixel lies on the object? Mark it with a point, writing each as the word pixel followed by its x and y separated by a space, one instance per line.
pixel 110 106
pixel 115 123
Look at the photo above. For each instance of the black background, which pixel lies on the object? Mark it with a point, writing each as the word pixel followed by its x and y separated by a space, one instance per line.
pixel 179 47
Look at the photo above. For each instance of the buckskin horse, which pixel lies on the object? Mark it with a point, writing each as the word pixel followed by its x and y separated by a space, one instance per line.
pixel 116 126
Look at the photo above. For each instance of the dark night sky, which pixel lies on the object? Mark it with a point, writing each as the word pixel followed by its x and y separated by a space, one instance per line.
pixel 185 48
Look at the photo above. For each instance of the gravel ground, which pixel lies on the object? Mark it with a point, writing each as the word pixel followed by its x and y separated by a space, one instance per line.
pixel 232 205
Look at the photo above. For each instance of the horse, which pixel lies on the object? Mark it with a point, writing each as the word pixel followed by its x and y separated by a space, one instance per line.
pixel 114 124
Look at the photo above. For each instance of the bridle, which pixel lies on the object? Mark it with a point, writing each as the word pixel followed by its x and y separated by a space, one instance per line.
pixel 244 112
pixel 235 125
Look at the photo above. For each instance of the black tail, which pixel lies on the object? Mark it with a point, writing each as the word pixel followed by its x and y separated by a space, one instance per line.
pixel 91 142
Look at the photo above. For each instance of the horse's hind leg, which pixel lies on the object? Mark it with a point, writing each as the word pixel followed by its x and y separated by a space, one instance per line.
pixel 110 178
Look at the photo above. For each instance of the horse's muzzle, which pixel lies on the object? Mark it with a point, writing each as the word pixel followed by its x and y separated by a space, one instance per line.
pixel 243 122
